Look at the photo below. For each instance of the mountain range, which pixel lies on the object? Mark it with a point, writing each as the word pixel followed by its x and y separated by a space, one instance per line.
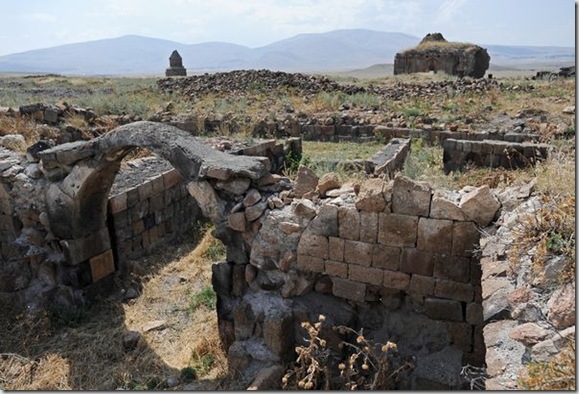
pixel 336 50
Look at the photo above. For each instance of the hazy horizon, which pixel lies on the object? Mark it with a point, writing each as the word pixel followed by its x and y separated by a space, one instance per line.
pixel 31 25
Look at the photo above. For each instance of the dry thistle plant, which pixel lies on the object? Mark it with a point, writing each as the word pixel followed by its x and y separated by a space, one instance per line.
pixel 369 366
pixel 310 370
pixel 363 365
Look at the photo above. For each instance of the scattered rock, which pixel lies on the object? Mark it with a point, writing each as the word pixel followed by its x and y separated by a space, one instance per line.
pixel 131 339
pixel 569 110
pixel 561 307
pixel 528 333
pixel 371 196
pixel 328 182
pixel 268 378
pixel 306 181
pixel 480 206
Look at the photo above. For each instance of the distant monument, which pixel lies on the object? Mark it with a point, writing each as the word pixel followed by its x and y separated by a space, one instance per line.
pixel 435 54
pixel 176 68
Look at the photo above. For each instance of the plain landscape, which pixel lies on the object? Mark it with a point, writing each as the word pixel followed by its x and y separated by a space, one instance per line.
pixel 338 51
pixel 345 78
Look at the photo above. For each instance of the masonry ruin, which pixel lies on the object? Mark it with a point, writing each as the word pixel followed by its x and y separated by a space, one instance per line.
pixel 394 257
pixel 176 68
pixel 436 54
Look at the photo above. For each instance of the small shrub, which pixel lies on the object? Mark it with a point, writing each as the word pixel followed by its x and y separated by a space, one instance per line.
pixel 215 250
pixel 408 112
pixel 206 297
pixel 188 374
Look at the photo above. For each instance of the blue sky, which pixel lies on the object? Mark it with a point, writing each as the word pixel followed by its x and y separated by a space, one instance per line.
pixel 33 24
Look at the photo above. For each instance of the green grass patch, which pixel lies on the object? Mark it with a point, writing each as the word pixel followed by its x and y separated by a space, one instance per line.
pixel 205 298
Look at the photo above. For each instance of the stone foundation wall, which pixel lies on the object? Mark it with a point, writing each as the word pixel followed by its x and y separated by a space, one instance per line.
pixel 509 155
pixel 396 251
pixel 151 214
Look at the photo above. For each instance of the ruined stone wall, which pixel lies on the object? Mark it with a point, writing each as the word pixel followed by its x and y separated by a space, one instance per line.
pixel 510 155
pixel 395 252
pixel 365 133
pixel 151 214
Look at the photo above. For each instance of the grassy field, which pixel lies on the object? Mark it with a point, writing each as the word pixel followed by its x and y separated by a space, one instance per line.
pixel 78 352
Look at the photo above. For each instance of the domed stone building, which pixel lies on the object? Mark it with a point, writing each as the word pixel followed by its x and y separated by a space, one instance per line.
pixel 436 54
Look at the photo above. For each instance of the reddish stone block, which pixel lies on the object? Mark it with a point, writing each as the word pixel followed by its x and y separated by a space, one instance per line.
pixel 356 252
pixel 453 290
pixel 336 246
pixel 453 267
pixel 368 226
pixel 336 269
pixel 145 190
pixel 348 223
pixel 474 313
pixel 158 185
pixel 461 335
pixel 421 285
pixel 347 289
pixel 435 235
pixel 118 203
pixel 396 280
pixel 439 309
pixel 102 265
pixel 410 197
pixel 368 275
pixel 397 230
pixel 386 257
pixel 313 245
pixel 172 178
pixel 310 263
pixel 414 261
pixel 465 239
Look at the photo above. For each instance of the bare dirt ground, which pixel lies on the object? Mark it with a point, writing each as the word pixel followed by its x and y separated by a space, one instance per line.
pixel 177 329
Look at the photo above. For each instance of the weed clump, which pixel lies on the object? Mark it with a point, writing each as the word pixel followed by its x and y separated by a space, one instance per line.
pixel 361 365
pixel 544 235
pixel 556 374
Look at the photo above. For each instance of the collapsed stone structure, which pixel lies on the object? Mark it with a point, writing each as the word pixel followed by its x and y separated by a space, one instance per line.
pixel 176 68
pixel 393 257
pixel 434 53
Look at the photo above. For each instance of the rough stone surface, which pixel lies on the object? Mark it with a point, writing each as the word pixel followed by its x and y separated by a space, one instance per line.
pixel 327 182
pixel 397 230
pixel 561 307
pixel 480 205
pixel 410 197
pixel 306 181
pixel 371 196
pixel 528 334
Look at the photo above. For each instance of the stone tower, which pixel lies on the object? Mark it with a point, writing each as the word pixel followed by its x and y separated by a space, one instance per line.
pixel 435 54
pixel 175 66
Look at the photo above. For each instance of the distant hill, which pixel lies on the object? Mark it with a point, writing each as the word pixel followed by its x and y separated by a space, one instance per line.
pixel 336 51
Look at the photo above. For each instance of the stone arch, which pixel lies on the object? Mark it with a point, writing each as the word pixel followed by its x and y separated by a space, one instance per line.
pixel 82 174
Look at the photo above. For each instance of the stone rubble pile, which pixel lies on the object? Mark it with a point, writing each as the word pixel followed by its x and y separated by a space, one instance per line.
pixel 527 317
pixel 265 81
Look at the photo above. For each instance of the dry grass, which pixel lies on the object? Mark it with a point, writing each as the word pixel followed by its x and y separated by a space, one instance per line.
pixel 556 374
pixel 26 127
pixel 88 354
